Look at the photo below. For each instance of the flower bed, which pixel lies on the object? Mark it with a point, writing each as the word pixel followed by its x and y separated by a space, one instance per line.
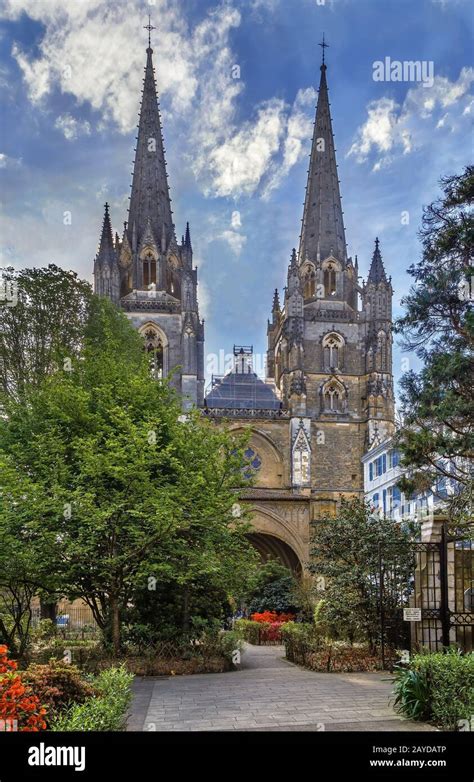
pixel 20 708
pixel 263 629
pixel 304 645
pixel 57 696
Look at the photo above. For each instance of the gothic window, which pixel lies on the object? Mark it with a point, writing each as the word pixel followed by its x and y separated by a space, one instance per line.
pixel 333 398
pixel 149 269
pixel 309 282
pixel 330 281
pixel 332 347
pixel 253 463
pixel 154 349
pixel 382 352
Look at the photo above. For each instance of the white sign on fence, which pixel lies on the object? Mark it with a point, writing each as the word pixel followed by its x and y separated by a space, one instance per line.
pixel 412 614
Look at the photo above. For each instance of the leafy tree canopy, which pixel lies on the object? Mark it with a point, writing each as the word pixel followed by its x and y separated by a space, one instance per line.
pixel 115 486
pixel 43 326
pixel 436 438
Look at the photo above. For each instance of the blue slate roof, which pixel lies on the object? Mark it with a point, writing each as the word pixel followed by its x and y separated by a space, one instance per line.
pixel 240 391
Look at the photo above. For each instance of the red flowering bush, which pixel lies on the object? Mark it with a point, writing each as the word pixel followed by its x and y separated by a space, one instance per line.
pixel 19 708
pixel 271 617
pixel 57 684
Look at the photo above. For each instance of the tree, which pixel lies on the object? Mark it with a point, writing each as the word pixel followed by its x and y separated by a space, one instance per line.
pixel 345 552
pixel 272 589
pixel 41 327
pixel 112 478
pixel 436 438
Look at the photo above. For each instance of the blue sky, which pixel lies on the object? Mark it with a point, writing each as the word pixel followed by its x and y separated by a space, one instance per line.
pixel 237 148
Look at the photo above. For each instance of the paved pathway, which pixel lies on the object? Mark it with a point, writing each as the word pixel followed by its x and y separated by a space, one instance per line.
pixel 267 693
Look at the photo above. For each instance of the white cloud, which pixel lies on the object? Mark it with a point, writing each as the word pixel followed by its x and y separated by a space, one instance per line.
pixel 237 165
pixel 235 240
pixel 297 139
pixel 71 127
pixel 236 221
pixel 392 128
pixel 87 51
pixel 194 70
pixel 9 162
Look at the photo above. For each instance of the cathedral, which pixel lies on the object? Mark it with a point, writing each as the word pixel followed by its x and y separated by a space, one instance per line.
pixel 328 395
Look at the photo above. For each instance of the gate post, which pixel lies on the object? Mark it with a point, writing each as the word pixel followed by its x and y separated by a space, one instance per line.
pixel 433 530
pixel 381 608
pixel 444 605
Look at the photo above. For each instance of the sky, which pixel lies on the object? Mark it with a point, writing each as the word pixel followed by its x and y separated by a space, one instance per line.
pixel 237 82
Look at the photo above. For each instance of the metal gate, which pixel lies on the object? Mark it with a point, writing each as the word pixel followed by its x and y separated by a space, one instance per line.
pixel 439 583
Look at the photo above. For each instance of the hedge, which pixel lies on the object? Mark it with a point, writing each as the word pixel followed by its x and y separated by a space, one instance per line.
pixel 437 687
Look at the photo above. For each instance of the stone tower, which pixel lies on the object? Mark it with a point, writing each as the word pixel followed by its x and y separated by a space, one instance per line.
pixel 328 394
pixel 147 272
pixel 331 360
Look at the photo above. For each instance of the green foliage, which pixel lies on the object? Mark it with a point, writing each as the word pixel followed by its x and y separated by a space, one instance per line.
pixel 247 630
pixel 99 459
pixel 301 634
pixel 412 694
pixel 105 712
pixel 173 609
pixel 308 645
pixel 438 401
pixel 276 596
pixel 42 329
pixel 272 589
pixel 345 552
pixel 438 687
pixel 229 642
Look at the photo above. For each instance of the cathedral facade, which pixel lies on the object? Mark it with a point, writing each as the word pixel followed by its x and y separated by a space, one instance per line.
pixel 328 395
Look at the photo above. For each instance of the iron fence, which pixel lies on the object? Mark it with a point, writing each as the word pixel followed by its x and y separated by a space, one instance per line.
pixel 434 607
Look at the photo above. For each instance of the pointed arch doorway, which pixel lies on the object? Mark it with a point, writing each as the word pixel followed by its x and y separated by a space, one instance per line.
pixel 270 547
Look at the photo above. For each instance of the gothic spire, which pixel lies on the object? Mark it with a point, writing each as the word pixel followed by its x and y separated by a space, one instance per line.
pixel 106 250
pixel 377 271
pixel 150 199
pixel 276 302
pixel 322 231
pixel 187 240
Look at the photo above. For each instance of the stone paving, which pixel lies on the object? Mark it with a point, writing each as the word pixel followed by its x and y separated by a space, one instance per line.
pixel 267 693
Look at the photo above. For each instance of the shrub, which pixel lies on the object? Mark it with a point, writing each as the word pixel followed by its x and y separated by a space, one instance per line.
pixel 299 637
pixel 412 694
pixel 104 712
pixel 20 708
pixel 438 687
pixel 83 652
pixel 272 617
pixel 248 630
pixel 57 684
pixel 277 596
pixel 305 644
pixel 261 631
pixel 230 641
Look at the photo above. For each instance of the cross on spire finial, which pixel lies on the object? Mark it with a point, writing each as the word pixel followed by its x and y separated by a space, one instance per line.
pixel 149 27
pixel 324 46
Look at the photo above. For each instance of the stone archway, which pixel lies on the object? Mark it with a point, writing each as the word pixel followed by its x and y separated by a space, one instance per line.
pixel 275 536
pixel 270 547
